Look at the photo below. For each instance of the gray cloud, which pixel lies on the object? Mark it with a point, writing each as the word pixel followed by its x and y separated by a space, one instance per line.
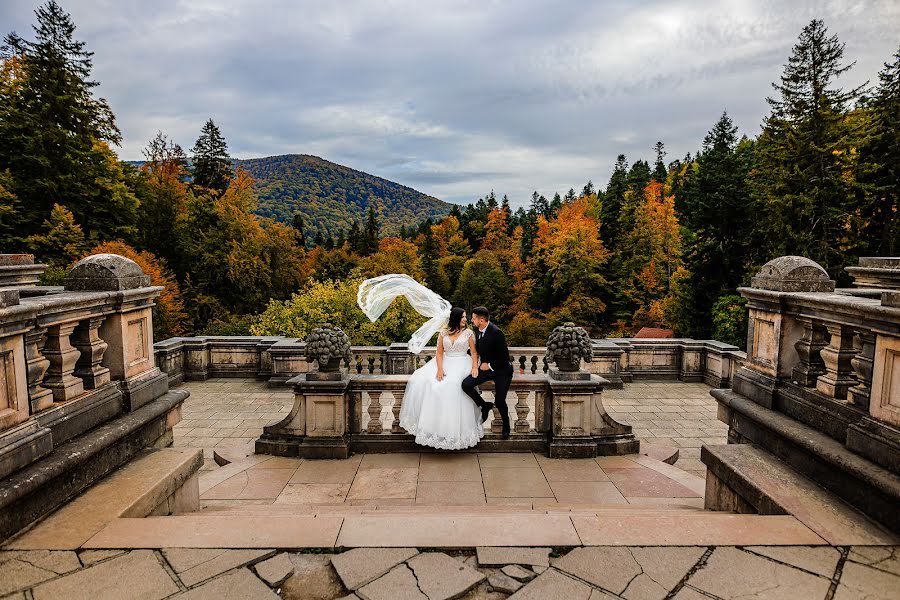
pixel 455 98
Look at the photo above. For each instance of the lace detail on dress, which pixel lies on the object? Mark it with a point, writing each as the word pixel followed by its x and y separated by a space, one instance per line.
pixel 459 346
pixel 441 442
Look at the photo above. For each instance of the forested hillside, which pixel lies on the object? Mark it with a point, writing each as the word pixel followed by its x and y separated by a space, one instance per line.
pixel 331 197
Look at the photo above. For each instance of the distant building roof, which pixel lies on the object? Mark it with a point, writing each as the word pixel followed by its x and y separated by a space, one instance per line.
pixel 654 332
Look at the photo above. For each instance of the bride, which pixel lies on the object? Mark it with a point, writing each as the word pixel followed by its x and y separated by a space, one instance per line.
pixel 435 408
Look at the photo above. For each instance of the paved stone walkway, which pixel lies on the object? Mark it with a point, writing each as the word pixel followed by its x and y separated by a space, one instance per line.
pixel 589 573
pixel 230 413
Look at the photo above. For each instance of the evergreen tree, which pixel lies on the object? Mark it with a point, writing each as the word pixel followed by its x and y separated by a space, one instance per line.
pixel 354 237
pixel 881 156
pixel 211 164
pixel 53 132
pixel 588 188
pixel 612 202
pixel 555 205
pixel 370 233
pixel 806 152
pixel 659 167
pixel 435 278
pixel 299 227
pixel 318 239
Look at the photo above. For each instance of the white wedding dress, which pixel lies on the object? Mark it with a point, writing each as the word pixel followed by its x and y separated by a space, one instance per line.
pixel 439 413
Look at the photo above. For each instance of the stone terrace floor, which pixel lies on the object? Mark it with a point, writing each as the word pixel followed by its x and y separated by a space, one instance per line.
pixel 230 413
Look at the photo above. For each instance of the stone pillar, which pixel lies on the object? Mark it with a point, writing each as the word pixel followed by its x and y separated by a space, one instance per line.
pixel 399 361
pixel 88 342
pixel 838 377
pixel 127 332
pixel 395 409
pixel 773 334
pixel 581 427
pixel 317 426
pixel 14 405
pixel 39 396
pixel 60 378
pixel 884 402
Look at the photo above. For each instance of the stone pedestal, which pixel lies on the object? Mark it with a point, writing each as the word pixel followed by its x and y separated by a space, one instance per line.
pixel 317 426
pixel 581 427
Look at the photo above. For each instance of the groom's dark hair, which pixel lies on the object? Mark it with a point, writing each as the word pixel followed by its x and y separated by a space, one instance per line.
pixel 482 312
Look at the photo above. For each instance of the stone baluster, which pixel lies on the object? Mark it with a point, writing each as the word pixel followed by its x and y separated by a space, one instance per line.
pixel 522 410
pixel 374 413
pixel 398 401
pixel 39 396
pixel 863 364
pixel 534 362
pixel 809 349
pixel 497 423
pixel 87 340
pixel 62 356
pixel 837 355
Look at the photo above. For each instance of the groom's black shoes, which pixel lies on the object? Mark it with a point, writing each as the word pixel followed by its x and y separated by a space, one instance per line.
pixel 486 411
pixel 505 434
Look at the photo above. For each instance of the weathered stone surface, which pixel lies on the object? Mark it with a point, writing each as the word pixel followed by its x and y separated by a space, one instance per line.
pixel 504 583
pixel 239 585
pixel 442 578
pixel 612 568
pixel 662 569
pixel 859 582
pixel 275 570
pixel 883 558
pixel 554 584
pixel 732 573
pixel 106 273
pixel 497 557
pixel 89 557
pixel 196 565
pixel 21 570
pixel 137 574
pixel 313 579
pixel 517 572
pixel 399 584
pixel 792 274
pixel 539 568
pixel 358 567
pixel 820 560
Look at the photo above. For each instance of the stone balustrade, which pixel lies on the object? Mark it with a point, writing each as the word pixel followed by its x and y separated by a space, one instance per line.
pixel 820 386
pixel 278 359
pixel 75 357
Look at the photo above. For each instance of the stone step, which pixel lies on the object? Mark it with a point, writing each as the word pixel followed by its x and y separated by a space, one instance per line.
pixel 439 509
pixel 155 482
pixel 863 484
pixel 38 489
pixel 766 485
pixel 326 531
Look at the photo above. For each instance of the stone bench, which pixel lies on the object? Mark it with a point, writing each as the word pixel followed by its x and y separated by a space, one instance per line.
pixel 156 482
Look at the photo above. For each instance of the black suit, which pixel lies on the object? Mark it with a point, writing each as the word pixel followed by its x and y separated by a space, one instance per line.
pixel 492 349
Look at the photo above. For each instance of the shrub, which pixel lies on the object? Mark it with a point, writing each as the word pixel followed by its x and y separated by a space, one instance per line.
pixel 729 316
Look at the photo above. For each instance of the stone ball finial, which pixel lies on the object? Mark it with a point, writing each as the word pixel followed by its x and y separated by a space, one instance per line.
pixel 105 273
pixel 792 274
pixel 329 346
pixel 568 345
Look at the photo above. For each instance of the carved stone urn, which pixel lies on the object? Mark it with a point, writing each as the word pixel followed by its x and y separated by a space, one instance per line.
pixel 567 346
pixel 328 346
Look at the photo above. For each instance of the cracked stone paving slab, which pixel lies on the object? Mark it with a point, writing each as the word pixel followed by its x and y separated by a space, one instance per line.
pixel 732 573
pixel 360 566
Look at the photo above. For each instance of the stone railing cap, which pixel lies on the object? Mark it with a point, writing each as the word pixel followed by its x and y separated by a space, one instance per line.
pixel 105 273
pixel 792 274
pixel 9 260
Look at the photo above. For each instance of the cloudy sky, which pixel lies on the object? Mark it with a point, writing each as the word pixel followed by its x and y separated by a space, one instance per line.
pixel 454 98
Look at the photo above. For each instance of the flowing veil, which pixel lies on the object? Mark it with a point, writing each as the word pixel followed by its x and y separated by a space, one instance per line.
pixel 375 295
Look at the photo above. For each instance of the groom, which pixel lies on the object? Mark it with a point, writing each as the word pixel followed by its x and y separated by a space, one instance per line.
pixel 495 366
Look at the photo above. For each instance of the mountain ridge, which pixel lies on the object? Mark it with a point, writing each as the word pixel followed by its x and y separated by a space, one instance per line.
pixel 330 196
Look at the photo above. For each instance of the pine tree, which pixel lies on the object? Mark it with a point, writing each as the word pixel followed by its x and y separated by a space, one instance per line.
pixel 212 167
pixel 881 157
pixel 659 167
pixel 370 234
pixel 53 132
pixel 612 202
pixel 62 240
pixel 299 227
pixel 806 157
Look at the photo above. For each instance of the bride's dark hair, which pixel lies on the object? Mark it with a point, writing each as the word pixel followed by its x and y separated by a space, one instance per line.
pixel 456 315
